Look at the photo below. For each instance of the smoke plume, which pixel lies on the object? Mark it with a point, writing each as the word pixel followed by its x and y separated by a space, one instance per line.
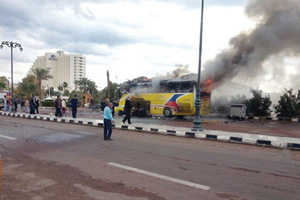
pixel 277 34
pixel 180 70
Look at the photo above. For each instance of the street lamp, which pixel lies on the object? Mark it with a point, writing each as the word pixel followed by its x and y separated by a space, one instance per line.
pixel 12 45
pixel 197 121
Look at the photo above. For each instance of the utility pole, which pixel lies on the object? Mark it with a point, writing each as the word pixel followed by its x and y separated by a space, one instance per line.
pixel 108 86
pixel 197 121
pixel 12 45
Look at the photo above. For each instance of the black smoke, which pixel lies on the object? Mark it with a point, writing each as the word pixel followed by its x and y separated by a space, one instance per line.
pixel 275 36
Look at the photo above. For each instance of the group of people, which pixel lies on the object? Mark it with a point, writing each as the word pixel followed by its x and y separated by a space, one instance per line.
pixel 34 105
pixel 31 105
pixel 60 109
pixel 60 106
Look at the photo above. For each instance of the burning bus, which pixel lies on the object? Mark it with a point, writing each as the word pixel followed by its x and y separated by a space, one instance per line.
pixel 167 97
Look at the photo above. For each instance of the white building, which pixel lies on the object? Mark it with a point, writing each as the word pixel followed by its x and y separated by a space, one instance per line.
pixel 63 67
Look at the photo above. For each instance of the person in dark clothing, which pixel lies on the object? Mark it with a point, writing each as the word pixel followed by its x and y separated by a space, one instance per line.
pixel 32 104
pixel 74 104
pixel 23 104
pixel 16 104
pixel 37 104
pixel 103 105
pixel 127 109
pixel 58 106
pixel 113 108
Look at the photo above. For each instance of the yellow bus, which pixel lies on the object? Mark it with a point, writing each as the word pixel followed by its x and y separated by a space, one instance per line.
pixel 172 98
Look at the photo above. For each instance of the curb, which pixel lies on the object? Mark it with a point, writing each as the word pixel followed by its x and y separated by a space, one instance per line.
pixel 274 119
pixel 259 140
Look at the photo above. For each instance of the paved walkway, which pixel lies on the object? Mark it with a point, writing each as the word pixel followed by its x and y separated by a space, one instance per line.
pixel 236 137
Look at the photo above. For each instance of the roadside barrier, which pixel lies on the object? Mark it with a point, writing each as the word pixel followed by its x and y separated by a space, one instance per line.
pixel 233 137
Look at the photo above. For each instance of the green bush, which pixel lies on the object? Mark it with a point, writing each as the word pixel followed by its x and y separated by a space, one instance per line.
pixel 258 105
pixel 47 103
pixel 289 104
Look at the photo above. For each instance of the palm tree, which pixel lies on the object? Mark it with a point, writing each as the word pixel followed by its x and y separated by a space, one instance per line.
pixel 65 85
pixel 92 87
pixel 41 75
pixel 86 86
pixel 26 88
pixel 60 88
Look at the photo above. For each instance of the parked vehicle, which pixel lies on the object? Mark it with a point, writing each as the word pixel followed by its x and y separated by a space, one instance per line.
pixel 172 98
pixel 2 94
pixel 238 111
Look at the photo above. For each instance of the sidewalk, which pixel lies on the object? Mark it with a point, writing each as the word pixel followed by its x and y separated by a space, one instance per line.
pixel 236 137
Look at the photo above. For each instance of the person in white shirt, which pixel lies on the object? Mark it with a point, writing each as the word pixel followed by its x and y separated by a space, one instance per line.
pixel 63 106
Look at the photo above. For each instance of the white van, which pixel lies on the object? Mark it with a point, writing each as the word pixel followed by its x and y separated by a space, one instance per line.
pixel 2 94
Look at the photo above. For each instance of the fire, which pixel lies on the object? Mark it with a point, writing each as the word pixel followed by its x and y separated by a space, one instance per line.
pixel 208 85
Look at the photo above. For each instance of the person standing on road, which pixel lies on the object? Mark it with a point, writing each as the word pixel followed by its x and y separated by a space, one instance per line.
pixel 108 120
pixel 5 103
pixel 127 108
pixel 23 105
pixel 37 104
pixel 103 105
pixel 58 105
pixel 74 103
pixel 113 108
pixel 16 104
pixel 27 105
pixel 64 105
pixel 32 103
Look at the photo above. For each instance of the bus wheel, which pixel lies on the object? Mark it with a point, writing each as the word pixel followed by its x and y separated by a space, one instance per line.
pixel 167 112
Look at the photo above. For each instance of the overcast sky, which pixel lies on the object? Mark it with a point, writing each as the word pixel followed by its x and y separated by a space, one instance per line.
pixel 130 38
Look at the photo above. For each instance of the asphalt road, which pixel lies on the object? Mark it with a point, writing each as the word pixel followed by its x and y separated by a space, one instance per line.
pixel 48 160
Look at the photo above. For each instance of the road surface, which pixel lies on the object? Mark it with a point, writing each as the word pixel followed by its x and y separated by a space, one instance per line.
pixel 48 160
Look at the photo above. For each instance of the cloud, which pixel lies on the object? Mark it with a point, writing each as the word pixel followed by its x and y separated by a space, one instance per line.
pixel 195 4
pixel 143 37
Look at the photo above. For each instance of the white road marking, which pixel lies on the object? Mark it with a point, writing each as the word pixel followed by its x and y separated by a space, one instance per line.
pixel 86 133
pixel 10 138
pixel 195 185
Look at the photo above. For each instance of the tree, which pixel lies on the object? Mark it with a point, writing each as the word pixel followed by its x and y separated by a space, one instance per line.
pixel 2 86
pixel 52 91
pixel 60 88
pixel 66 92
pixel 65 85
pixel 86 86
pixel 258 105
pixel 289 104
pixel 3 82
pixel 41 75
pixel 113 94
pixel 27 87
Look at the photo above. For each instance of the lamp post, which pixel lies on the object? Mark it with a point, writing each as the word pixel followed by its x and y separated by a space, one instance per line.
pixel 12 45
pixel 197 121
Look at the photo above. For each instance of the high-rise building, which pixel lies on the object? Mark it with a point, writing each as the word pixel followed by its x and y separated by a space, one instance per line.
pixel 63 67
